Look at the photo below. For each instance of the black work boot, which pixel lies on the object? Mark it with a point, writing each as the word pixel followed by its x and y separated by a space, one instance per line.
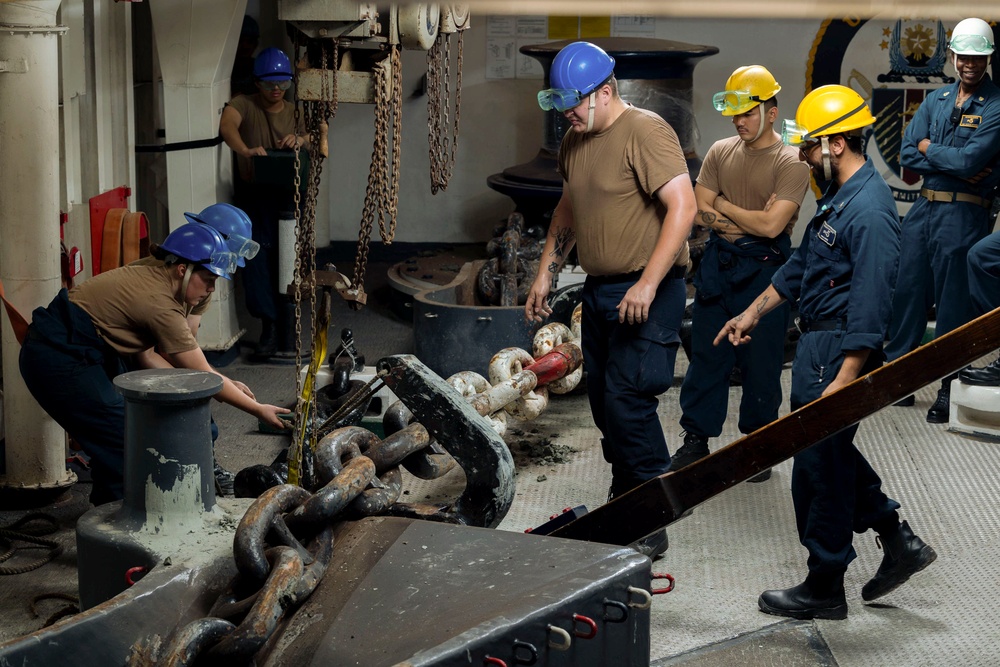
pixel 695 447
pixel 938 414
pixel 987 376
pixel 762 476
pixel 224 481
pixel 267 346
pixel 903 555
pixel 819 596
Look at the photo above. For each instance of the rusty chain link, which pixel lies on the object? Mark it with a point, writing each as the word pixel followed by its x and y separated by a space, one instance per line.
pixel 382 191
pixel 317 115
pixel 358 475
pixel 442 141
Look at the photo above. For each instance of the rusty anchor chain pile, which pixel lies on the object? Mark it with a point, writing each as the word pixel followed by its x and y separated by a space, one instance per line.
pixel 505 278
pixel 284 542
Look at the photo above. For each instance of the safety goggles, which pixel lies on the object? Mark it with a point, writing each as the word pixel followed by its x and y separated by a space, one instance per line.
pixel 242 246
pixel 223 261
pixel 795 136
pixel 275 85
pixel 799 137
pixel 973 43
pixel 734 100
pixel 560 99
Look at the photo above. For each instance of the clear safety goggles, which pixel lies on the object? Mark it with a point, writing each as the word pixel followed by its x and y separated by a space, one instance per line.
pixel 795 136
pixel 275 85
pixel 242 246
pixel 560 99
pixel 223 261
pixel 973 43
pixel 734 100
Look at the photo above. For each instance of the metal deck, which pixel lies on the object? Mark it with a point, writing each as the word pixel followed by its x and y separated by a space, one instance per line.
pixel 722 556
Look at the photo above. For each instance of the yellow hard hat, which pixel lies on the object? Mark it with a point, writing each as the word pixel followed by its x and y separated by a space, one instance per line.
pixel 824 111
pixel 747 87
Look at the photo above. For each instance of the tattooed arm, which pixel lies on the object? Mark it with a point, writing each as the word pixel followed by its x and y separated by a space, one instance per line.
pixel 708 217
pixel 737 329
pixel 559 241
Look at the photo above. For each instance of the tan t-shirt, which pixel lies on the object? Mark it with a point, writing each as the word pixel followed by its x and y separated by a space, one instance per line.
pixel 133 309
pixel 260 127
pixel 149 260
pixel 748 177
pixel 613 176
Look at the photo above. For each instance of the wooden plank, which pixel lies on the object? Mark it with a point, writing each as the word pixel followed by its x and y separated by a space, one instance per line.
pixel 664 499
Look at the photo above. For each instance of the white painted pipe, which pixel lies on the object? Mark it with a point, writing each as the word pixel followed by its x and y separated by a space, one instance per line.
pixel 286 254
pixel 29 223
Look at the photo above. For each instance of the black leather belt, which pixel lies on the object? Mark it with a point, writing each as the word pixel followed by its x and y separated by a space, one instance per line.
pixel 805 326
pixel 676 271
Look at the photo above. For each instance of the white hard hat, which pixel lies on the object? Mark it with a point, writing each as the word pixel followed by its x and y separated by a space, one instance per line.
pixel 972 37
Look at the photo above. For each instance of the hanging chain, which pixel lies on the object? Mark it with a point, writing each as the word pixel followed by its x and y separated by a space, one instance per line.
pixel 297 273
pixel 441 139
pixel 316 118
pixel 382 192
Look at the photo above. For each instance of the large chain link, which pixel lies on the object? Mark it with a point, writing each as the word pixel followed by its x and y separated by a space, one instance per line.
pixel 382 192
pixel 519 382
pixel 442 141
pixel 358 473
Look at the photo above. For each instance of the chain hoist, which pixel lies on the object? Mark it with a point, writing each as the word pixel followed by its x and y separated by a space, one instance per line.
pixel 442 140
pixel 316 116
pixel 382 192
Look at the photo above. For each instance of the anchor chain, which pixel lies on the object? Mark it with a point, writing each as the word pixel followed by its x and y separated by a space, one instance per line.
pixel 505 279
pixel 284 543
pixel 519 382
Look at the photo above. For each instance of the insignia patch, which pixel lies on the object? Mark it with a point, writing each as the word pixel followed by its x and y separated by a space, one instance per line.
pixel 970 121
pixel 827 234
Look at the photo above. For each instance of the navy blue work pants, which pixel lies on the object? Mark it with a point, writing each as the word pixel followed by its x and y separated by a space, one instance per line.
pixel 933 270
pixel 69 370
pixel 705 392
pixel 628 366
pixel 984 274
pixel 265 205
pixel 835 491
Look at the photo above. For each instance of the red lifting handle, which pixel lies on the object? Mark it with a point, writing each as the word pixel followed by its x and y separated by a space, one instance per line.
pixel 133 571
pixel 589 622
pixel 662 575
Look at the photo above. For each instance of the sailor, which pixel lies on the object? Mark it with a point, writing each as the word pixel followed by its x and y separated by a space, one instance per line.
pixel 853 241
pixel 131 317
pixel 953 141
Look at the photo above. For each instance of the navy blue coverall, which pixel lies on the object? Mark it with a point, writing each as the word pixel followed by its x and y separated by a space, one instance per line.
pixel 984 274
pixel 69 370
pixel 842 276
pixel 729 278
pixel 628 366
pixel 937 235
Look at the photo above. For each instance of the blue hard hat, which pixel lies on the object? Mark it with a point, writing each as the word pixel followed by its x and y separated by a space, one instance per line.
pixel 272 64
pixel 201 244
pixel 581 66
pixel 234 225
